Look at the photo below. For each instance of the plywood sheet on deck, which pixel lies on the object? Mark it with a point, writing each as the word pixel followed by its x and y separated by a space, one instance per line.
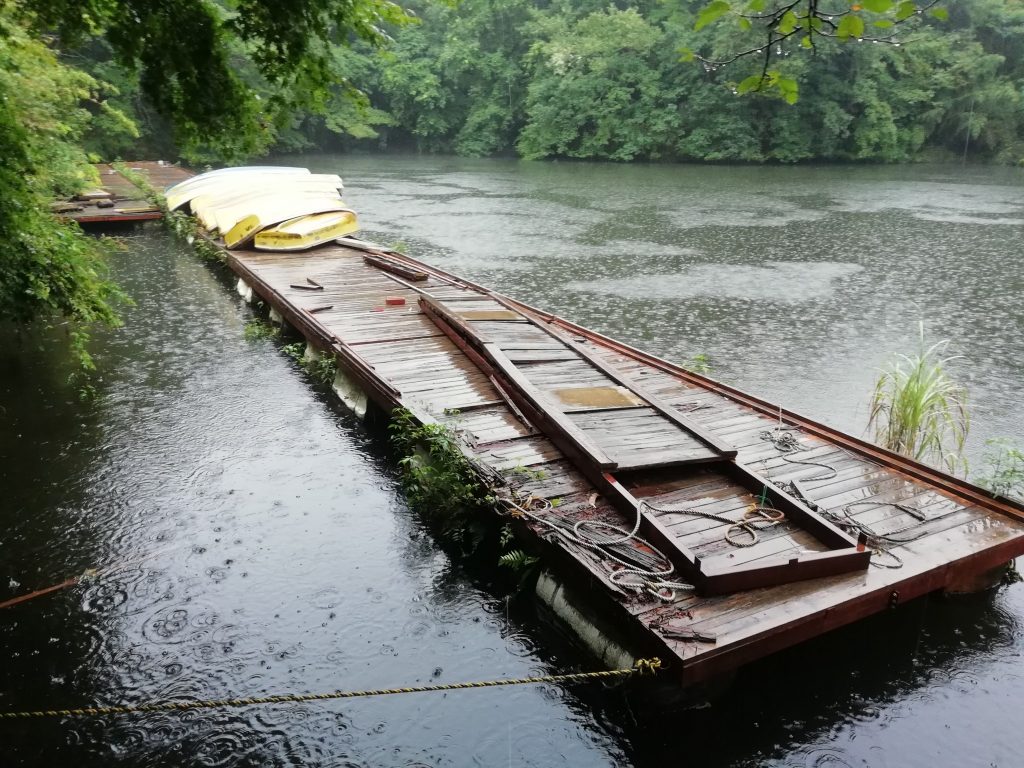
pixel 596 397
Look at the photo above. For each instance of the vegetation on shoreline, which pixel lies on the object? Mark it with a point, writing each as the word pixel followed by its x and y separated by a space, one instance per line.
pixel 438 479
pixel 108 78
pixel 49 270
pixel 597 81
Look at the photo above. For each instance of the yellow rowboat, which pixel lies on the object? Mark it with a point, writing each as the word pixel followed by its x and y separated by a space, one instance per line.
pixel 222 211
pixel 228 179
pixel 269 212
pixel 307 231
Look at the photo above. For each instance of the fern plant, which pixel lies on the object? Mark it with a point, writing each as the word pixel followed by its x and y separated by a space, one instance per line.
pixel 918 410
pixel 517 561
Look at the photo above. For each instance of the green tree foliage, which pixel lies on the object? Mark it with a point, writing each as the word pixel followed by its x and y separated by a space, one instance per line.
pixel 605 65
pixel 582 79
pixel 47 269
pixel 223 75
pixel 217 81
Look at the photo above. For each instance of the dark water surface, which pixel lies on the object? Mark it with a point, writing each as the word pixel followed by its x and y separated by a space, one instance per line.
pixel 263 546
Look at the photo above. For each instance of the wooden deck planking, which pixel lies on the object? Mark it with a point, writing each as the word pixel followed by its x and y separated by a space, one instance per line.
pixel 126 196
pixel 748 624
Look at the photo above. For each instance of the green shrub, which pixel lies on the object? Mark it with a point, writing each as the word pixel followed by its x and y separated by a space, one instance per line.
pixel 439 480
pixel 1004 475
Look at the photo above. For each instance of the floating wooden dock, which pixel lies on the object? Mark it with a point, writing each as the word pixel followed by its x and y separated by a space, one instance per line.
pixel 786 528
pixel 118 200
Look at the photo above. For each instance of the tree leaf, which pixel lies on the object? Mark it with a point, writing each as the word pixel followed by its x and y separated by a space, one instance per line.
pixel 788 89
pixel 905 10
pixel 744 22
pixel 850 26
pixel 712 12
pixel 940 13
pixel 756 6
pixel 788 23
pixel 752 83
pixel 805 41
pixel 877 6
pixel 685 54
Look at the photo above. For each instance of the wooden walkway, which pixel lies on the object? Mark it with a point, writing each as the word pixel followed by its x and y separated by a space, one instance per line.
pixel 129 203
pixel 552 410
pixel 402 356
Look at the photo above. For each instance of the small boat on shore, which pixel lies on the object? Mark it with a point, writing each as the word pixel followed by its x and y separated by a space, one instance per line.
pixel 273 212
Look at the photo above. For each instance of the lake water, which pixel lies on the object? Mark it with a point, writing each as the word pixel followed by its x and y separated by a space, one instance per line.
pixel 263 544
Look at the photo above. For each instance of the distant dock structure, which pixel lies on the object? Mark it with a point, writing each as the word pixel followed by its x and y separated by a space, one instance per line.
pixel 674 516
pixel 117 199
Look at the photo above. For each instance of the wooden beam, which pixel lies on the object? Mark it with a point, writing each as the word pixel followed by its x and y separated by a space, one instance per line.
pixel 824 531
pixel 500 363
pixel 390 265
pixel 715 443
pixel 844 557
pixel 771 572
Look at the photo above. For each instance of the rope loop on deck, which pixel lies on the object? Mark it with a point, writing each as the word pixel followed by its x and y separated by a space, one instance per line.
pixel 786 443
pixel 881 544
pixel 642 667
pixel 653 581
pixel 755 518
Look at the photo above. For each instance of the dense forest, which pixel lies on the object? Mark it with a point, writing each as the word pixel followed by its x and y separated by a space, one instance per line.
pixel 589 79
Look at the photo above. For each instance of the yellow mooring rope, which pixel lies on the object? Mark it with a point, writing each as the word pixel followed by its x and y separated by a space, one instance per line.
pixel 642 666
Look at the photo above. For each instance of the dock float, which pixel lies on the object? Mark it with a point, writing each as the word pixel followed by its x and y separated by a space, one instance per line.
pixel 767 527
pixel 117 199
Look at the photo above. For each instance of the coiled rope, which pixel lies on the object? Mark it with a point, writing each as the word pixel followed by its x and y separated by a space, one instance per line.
pixel 653 580
pixel 591 534
pixel 755 518
pixel 786 443
pixel 881 544
pixel 641 667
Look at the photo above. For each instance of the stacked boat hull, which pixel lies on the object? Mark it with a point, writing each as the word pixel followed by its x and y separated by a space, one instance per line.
pixel 271 207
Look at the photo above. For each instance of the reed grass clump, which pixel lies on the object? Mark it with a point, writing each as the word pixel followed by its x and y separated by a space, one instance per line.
pixel 919 410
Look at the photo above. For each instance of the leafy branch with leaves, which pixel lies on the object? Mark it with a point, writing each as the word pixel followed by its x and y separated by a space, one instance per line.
pixel 775 25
